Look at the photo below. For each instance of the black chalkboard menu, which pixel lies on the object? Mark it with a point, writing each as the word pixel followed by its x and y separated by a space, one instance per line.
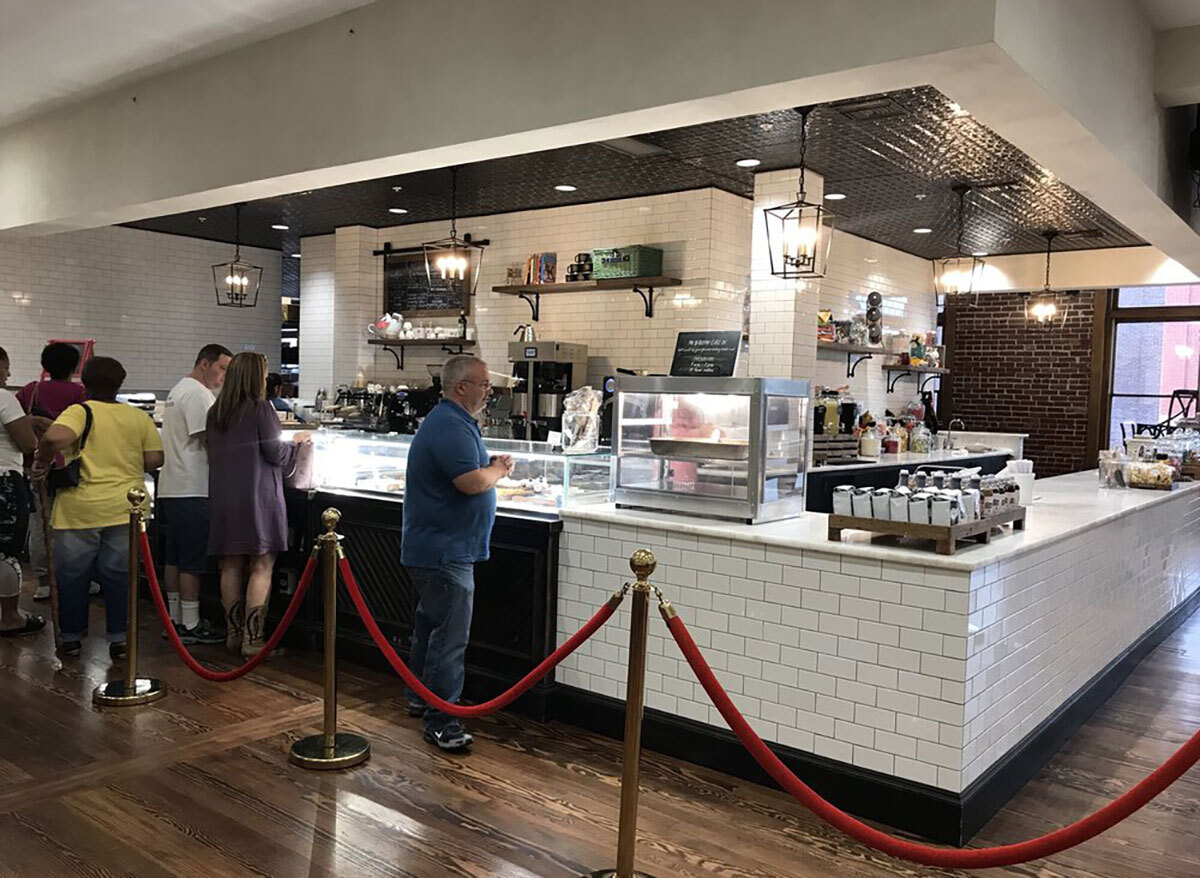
pixel 711 354
pixel 409 289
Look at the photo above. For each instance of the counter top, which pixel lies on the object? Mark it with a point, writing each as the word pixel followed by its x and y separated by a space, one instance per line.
pixel 1062 506
pixel 910 459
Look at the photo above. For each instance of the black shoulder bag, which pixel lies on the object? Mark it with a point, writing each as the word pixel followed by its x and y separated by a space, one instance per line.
pixel 69 476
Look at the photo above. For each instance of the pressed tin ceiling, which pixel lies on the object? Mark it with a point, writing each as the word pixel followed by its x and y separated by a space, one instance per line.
pixel 895 157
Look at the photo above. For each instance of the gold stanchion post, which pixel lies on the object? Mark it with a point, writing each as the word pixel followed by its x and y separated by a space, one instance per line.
pixel 331 749
pixel 133 689
pixel 642 563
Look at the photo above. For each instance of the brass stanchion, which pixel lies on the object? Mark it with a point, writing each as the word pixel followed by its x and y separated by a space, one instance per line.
pixel 642 563
pixel 133 689
pixel 331 749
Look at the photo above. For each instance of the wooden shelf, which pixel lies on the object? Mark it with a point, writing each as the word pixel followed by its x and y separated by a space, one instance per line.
pixel 943 536
pixel 396 346
pixel 849 348
pixel 532 293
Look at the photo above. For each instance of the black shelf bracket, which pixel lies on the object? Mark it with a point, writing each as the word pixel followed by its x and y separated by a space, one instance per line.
pixel 921 382
pixel 647 298
pixel 452 349
pixel 397 353
pixel 852 367
pixel 535 304
pixel 896 376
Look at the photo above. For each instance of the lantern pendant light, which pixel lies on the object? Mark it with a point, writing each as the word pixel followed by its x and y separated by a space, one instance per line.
pixel 237 283
pixel 800 232
pixel 1043 309
pixel 959 274
pixel 451 258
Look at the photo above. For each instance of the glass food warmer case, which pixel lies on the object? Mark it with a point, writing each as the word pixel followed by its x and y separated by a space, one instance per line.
pixel 732 448
pixel 542 479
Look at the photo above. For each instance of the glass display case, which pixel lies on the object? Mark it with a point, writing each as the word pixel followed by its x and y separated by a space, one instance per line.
pixel 723 447
pixel 543 479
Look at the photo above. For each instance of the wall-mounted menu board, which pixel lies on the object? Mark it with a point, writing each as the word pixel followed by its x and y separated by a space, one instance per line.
pixel 409 289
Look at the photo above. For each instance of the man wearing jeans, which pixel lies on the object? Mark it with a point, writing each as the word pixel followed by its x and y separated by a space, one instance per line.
pixel 449 507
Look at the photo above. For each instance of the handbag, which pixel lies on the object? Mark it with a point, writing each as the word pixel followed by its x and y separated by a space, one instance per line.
pixel 69 476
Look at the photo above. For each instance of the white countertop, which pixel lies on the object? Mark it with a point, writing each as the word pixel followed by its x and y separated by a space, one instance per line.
pixel 910 459
pixel 1062 506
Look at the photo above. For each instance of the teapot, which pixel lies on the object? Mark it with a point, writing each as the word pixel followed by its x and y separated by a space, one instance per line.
pixel 526 331
pixel 387 326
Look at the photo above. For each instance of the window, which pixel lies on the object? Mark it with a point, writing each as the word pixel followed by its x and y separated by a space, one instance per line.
pixel 1158 297
pixel 1152 360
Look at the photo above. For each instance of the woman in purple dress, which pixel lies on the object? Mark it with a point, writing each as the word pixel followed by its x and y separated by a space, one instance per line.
pixel 247 461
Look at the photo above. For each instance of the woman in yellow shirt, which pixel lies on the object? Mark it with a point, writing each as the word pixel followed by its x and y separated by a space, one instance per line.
pixel 91 521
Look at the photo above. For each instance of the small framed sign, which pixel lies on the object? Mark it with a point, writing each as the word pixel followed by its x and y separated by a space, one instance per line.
pixel 710 354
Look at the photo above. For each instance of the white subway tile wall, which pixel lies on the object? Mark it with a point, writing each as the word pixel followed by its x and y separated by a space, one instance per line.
pixel 925 673
pixel 705 236
pixel 145 297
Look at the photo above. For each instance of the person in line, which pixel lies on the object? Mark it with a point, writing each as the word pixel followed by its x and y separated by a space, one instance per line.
pixel 117 445
pixel 183 492
pixel 449 508
pixel 247 461
pixel 274 388
pixel 16 440
pixel 45 400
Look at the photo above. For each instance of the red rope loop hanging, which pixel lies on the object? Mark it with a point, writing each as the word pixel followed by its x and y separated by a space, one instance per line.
pixel 979 858
pixel 500 701
pixel 164 616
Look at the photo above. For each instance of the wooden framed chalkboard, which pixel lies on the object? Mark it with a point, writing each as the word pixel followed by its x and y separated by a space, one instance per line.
pixel 712 353
pixel 407 287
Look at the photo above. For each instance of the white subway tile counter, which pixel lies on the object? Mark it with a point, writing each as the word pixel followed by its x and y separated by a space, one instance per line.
pixel 897 660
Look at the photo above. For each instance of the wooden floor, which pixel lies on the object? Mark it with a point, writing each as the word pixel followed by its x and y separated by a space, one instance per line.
pixel 198 784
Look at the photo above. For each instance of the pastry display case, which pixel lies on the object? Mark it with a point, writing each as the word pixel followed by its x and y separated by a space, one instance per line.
pixel 734 448
pixel 542 480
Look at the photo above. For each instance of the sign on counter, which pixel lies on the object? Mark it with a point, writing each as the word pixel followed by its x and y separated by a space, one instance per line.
pixel 711 353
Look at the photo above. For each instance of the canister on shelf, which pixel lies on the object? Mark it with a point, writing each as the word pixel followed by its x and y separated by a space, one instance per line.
pixel 860 502
pixel 881 504
pixel 841 500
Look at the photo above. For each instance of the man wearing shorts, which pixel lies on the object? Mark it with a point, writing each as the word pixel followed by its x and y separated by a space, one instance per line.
pixel 183 492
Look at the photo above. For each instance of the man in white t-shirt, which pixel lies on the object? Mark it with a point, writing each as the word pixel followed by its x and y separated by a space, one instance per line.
pixel 183 492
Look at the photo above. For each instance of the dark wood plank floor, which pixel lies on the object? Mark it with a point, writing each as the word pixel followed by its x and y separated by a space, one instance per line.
pixel 198 784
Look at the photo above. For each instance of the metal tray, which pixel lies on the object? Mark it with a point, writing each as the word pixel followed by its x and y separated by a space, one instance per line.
pixel 713 449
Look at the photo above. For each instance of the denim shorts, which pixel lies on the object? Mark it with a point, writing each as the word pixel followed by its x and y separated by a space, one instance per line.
pixel 185 527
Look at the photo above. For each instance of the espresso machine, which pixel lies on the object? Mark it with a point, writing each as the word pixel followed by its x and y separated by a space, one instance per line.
pixel 545 372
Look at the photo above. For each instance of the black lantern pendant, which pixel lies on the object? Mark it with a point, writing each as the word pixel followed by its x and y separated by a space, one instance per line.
pixel 959 274
pixel 1043 309
pixel 800 232
pixel 453 258
pixel 237 283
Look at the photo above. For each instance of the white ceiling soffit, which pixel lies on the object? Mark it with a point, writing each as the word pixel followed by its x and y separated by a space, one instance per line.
pixel 1170 14
pixel 54 52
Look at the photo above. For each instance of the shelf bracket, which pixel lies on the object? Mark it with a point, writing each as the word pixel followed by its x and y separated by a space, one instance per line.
pixel 535 304
pixel 647 298
pixel 928 378
pixel 397 352
pixel 851 368
pixel 896 376
pixel 452 349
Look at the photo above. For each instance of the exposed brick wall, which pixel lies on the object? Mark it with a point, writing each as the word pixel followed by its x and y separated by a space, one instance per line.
pixel 1010 374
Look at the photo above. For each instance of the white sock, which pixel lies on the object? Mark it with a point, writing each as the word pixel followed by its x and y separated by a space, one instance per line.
pixel 173 605
pixel 191 613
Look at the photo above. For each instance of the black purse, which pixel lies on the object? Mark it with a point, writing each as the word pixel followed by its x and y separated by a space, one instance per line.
pixel 69 476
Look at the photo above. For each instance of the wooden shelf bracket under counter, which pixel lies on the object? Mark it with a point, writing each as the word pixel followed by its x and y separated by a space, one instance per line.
pixel 396 346
pixel 532 293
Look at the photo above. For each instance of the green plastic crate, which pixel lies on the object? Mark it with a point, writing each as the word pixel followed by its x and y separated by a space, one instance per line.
pixel 632 261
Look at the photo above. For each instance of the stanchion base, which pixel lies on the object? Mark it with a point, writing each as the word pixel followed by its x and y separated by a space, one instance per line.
pixel 348 751
pixel 612 873
pixel 114 694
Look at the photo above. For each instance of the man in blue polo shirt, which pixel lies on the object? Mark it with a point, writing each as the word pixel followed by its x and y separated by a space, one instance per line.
pixel 449 507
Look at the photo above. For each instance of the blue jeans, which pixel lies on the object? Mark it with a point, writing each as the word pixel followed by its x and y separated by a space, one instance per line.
pixel 440 633
pixel 81 557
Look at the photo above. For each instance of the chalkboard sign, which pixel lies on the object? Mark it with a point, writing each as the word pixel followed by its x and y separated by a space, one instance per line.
pixel 712 354
pixel 407 288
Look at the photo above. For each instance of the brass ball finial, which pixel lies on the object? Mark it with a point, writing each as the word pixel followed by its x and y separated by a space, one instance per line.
pixel 642 564
pixel 330 518
pixel 136 497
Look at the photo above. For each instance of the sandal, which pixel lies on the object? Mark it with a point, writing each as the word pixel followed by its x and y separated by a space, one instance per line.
pixel 33 624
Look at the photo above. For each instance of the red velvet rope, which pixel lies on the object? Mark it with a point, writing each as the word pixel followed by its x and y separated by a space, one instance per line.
pixel 500 701
pixel 164 616
pixel 980 858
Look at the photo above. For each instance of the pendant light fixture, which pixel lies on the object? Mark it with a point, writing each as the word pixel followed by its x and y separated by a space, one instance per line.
pixel 1043 309
pixel 237 283
pixel 959 274
pixel 451 258
pixel 800 232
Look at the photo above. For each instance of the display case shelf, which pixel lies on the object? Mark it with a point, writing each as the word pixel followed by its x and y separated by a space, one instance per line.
pixel 532 293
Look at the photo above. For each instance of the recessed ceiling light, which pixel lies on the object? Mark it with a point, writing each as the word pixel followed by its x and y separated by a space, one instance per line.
pixel 834 196
pixel 921 196
pixel 980 253
pixel 397 188
pixel 295 255
pixel 279 227
pixel 202 219
pixel 397 210
pixel 921 230
pixel 565 187
pixel 748 163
